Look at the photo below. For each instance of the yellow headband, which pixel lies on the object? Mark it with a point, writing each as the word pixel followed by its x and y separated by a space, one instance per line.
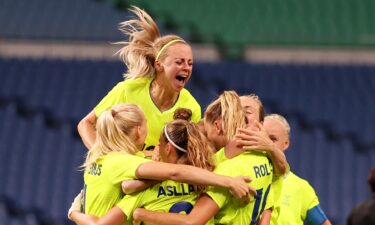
pixel 166 46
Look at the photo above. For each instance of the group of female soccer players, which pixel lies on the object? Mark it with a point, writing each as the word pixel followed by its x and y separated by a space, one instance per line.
pixel 228 168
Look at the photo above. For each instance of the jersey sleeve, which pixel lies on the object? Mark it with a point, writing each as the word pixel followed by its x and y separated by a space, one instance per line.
pixel 114 97
pixel 316 216
pixel 311 199
pixel 124 168
pixel 219 195
pixel 129 203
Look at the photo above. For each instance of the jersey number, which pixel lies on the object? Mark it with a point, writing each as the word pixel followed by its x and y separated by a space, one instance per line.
pixel 181 207
pixel 258 200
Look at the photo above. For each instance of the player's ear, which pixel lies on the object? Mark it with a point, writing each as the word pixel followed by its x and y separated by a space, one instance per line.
pixel 158 66
pixel 286 144
pixel 218 127
pixel 169 148
pixel 138 132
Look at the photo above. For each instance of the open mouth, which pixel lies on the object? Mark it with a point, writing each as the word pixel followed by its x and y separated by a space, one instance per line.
pixel 181 78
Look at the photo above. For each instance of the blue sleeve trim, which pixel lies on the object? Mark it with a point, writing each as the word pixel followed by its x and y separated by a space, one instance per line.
pixel 316 216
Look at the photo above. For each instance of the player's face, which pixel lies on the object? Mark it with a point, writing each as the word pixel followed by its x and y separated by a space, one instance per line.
pixel 214 135
pixel 251 108
pixel 177 66
pixel 277 133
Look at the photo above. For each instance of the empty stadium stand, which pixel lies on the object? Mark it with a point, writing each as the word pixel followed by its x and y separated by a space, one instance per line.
pixel 42 101
pixel 242 23
pixel 331 96
pixel 330 106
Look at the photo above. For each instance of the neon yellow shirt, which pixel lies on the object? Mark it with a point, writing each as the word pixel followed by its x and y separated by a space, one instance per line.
pixel 276 188
pixel 257 166
pixel 137 91
pixel 274 195
pixel 103 181
pixel 220 156
pixel 297 197
pixel 168 196
pixel 271 198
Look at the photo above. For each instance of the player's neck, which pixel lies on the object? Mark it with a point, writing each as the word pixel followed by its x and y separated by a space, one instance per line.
pixel 163 98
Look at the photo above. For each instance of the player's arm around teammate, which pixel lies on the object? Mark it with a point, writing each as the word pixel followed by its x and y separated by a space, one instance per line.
pixel 180 143
pixel 222 118
pixel 121 132
pixel 254 137
pixel 132 186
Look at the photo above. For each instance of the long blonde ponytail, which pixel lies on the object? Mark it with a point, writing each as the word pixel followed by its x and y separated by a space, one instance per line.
pixel 144 45
pixel 227 108
pixel 138 52
pixel 115 132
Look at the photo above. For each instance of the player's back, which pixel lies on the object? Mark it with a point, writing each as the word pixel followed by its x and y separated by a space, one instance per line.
pixel 103 181
pixel 167 196
pixel 257 166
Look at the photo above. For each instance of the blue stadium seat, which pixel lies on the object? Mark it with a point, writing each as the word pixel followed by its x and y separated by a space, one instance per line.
pixel 98 20
pixel 41 169
pixel 329 109
pixel 322 94
pixel 3 213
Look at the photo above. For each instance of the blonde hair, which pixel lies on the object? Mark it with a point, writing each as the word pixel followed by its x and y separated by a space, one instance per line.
pixel 143 45
pixel 227 108
pixel 280 118
pixel 187 135
pixel 260 104
pixel 115 132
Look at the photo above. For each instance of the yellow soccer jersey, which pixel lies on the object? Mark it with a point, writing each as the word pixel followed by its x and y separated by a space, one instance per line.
pixel 103 181
pixel 276 187
pixel 168 196
pixel 137 91
pixel 297 197
pixel 257 166
pixel 220 156
pixel 270 199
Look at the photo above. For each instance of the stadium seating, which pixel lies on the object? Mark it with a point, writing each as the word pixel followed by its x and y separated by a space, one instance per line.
pixel 39 165
pixel 42 100
pixel 85 20
pixel 52 85
pixel 16 218
pixel 331 96
pixel 330 107
pixel 236 24
pixel 231 25
pixel 320 94
pixel 333 168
